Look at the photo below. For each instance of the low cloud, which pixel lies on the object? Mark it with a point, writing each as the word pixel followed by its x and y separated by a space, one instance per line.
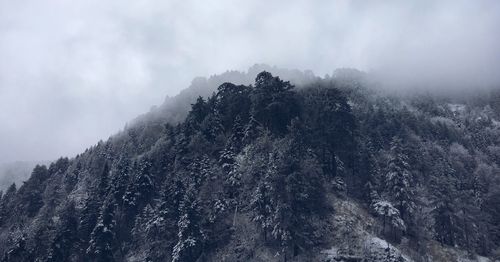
pixel 74 72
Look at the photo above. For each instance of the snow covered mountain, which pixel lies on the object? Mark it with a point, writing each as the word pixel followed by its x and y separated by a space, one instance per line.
pixel 316 169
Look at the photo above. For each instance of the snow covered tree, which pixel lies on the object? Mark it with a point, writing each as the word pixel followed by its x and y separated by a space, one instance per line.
pixel 212 125
pixel 102 237
pixel 146 224
pixel 399 179
pixel 251 131
pixel 139 189
pixel 189 237
pixel 31 191
pixel 273 103
pixel 298 196
pixel 199 170
pixel 261 202
pixel 237 134
pixel 227 158
pixel 87 221
pixel 390 215
pixel 288 194
pixel 171 199
pixel 102 187
pixel 5 203
pixel 144 181
pixel 120 178
pixel 199 111
pixel 331 126
pixel 18 252
pixel 65 240
pixel 232 101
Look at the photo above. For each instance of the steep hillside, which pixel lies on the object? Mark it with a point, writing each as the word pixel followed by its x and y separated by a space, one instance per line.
pixel 330 170
pixel 16 172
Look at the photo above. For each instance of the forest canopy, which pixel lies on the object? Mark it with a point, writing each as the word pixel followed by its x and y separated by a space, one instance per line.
pixel 263 169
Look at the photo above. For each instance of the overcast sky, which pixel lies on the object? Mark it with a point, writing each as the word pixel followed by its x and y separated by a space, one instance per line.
pixel 73 72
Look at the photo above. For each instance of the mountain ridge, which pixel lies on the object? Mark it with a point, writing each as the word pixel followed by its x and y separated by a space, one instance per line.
pixel 271 172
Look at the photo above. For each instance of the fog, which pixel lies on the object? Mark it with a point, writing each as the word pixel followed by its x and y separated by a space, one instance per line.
pixel 73 72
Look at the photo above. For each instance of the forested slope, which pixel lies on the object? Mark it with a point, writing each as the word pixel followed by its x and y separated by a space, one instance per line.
pixel 273 172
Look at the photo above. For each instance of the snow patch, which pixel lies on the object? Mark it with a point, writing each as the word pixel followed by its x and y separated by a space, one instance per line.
pixel 457 108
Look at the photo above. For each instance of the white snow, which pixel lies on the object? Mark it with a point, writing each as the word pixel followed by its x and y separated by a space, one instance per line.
pixel 456 108
pixel 330 253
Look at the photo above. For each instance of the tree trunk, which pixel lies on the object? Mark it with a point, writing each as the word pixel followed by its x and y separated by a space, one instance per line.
pixel 234 216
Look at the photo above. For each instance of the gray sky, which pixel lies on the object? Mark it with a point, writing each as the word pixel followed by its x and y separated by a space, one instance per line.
pixel 73 72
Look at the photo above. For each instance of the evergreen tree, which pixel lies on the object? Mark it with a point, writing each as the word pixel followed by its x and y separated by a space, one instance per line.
pixel 172 197
pixel 232 101
pixel 31 191
pixel 120 179
pixel 102 237
pixel 261 202
pixel 289 194
pixel 140 188
pixel 251 131
pixel 399 180
pixel 87 222
pixel 65 240
pixel 331 124
pixel 227 159
pixel 390 215
pixel 189 237
pixel 18 252
pixel 444 195
pixel 5 203
pixel 273 103
pixel 199 111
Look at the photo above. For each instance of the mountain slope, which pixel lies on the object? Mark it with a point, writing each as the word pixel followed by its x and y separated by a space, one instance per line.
pixel 330 169
pixel 15 172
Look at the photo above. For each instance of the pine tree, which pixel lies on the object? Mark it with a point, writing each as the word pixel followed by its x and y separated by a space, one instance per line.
pixel 273 103
pixel 171 199
pixel 399 179
pixel 390 215
pixel 18 252
pixel 199 111
pixel 331 126
pixel 289 193
pixel 227 159
pixel 5 203
pixel 65 240
pixel 32 190
pixel 102 237
pixel 189 237
pixel 261 202
pixel 120 179
pixel 146 224
pixel 102 187
pixel 298 194
pixel 140 189
pixel 443 196
pixel 88 220
pixel 144 181
pixel 212 125
pixel 252 131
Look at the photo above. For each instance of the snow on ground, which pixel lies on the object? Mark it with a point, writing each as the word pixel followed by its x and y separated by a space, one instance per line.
pixel 443 120
pixel 495 123
pixel 458 108
pixel 330 253
pixel 375 249
pixel 380 250
pixel 475 259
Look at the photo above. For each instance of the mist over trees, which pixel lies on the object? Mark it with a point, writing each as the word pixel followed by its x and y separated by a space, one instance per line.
pixel 15 172
pixel 265 170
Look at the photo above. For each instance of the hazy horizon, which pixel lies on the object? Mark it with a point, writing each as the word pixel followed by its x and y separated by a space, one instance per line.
pixel 74 72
